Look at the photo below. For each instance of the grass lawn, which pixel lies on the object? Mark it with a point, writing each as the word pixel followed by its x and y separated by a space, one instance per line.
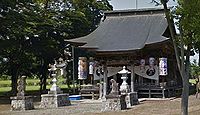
pixel 5 82
pixel 5 89
pixel 30 88
pixel 192 81
pixel 32 85
pixel 29 81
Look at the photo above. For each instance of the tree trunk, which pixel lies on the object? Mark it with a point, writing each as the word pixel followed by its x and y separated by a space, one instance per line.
pixel 14 78
pixel 185 92
pixel 43 77
pixel 180 62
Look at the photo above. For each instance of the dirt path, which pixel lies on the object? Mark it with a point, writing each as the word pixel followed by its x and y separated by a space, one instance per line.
pixel 170 107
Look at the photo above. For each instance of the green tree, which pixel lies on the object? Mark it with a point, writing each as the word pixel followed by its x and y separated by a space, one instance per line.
pixel 195 70
pixel 187 15
pixel 32 32
pixel 13 41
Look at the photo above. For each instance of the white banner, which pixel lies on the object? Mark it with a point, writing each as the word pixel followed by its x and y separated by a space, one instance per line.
pixel 111 71
pixel 82 68
pixel 147 72
pixel 163 66
pixel 91 68
pixel 144 71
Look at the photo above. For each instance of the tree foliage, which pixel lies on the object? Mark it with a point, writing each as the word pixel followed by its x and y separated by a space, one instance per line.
pixel 195 70
pixel 32 32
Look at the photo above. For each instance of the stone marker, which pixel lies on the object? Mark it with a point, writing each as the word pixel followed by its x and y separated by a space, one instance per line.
pixel 114 86
pixel 21 102
pixel 114 101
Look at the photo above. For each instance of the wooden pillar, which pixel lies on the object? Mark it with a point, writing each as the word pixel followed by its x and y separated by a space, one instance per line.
pixel 132 77
pixel 73 62
pixel 105 80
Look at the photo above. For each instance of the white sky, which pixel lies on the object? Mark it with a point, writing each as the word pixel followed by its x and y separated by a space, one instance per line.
pixel 131 4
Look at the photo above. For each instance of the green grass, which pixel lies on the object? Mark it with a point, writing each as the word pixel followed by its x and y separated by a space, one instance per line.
pixel 5 89
pixel 30 87
pixel 30 81
pixel 192 81
pixel 5 81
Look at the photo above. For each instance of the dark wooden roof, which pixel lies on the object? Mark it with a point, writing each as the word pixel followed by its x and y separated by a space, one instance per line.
pixel 126 30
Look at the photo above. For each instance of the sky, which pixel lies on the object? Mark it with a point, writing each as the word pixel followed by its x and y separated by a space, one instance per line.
pixel 139 4
pixel 133 4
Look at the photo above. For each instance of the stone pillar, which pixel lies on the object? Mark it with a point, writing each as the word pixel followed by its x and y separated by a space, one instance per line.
pixel 100 86
pixel 132 77
pixel 105 80
pixel 100 90
pixel 21 86
pixel 21 102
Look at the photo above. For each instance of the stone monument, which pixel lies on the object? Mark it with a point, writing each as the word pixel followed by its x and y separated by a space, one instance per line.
pixel 21 102
pixel 131 97
pixel 55 97
pixel 114 101
pixel 114 86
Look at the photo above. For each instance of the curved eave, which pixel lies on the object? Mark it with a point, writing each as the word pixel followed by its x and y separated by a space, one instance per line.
pixel 91 48
pixel 132 51
pixel 75 43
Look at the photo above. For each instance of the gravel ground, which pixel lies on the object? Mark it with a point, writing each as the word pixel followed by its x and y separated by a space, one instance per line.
pixel 93 107
pixel 76 108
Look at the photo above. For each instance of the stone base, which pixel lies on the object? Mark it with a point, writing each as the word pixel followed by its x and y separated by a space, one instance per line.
pixel 114 103
pixel 54 100
pixel 131 99
pixel 21 103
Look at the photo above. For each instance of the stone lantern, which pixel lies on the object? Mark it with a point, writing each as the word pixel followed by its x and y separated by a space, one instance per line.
pixel 131 97
pixel 54 88
pixel 55 97
pixel 124 88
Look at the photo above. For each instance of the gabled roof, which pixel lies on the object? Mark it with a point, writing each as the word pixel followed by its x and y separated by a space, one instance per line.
pixel 127 30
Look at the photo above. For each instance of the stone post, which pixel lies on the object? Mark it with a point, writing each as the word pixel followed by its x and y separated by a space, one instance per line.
pixel 104 80
pixel 21 102
pixel 21 86
pixel 132 77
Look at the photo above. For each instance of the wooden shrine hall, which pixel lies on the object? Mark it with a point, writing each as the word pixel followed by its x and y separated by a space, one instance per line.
pixel 140 40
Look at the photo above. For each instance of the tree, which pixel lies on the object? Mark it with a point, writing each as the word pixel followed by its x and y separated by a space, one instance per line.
pixel 32 32
pixel 59 20
pixel 13 41
pixel 184 13
pixel 195 69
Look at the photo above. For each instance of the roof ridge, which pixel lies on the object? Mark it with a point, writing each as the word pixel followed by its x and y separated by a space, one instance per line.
pixel 134 12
